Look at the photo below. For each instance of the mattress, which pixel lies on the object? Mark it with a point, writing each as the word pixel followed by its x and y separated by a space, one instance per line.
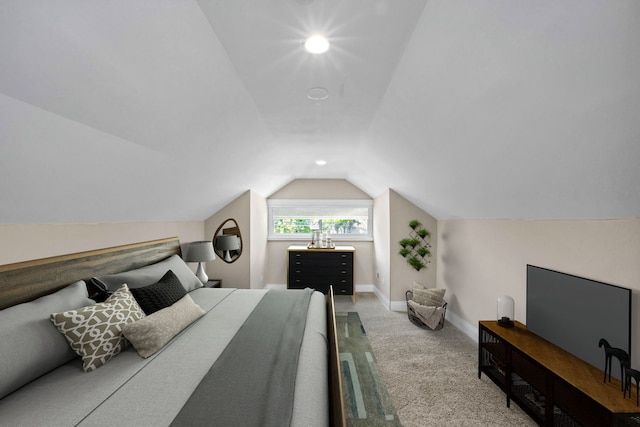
pixel 132 391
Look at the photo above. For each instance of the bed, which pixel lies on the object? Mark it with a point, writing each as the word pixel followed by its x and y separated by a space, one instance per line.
pixel 197 361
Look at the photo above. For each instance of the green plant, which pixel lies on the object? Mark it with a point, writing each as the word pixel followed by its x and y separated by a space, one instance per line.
pixel 423 251
pixel 405 242
pixel 414 223
pixel 416 263
pixel 423 232
pixel 415 248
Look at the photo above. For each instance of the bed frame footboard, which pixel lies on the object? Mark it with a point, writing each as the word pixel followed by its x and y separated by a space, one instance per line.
pixel 336 403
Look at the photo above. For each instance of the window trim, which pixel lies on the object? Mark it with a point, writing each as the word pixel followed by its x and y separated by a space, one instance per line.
pixel 279 203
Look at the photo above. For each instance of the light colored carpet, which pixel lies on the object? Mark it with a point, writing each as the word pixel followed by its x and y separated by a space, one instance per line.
pixel 431 376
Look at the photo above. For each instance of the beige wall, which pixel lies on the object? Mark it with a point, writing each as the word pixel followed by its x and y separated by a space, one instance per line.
pixel 402 274
pixel 259 233
pixel 320 189
pixel 23 242
pixel 276 265
pixel 482 259
pixel 382 245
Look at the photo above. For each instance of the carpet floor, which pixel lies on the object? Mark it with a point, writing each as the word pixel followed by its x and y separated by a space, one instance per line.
pixel 431 376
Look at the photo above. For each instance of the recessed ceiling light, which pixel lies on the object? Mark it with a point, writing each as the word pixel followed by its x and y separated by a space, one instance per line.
pixel 317 94
pixel 316 44
pixel 321 162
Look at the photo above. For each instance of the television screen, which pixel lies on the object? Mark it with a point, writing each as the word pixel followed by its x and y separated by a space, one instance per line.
pixel 574 313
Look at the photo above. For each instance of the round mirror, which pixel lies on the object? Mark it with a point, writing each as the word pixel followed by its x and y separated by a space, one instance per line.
pixel 227 241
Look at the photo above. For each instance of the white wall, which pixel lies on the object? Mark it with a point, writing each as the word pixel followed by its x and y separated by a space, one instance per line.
pixel 482 259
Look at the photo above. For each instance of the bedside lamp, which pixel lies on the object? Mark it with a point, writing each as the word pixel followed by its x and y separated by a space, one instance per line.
pixel 227 243
pixel 200 252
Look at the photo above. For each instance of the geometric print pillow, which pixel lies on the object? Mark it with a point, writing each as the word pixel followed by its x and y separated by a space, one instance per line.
pixel 95 332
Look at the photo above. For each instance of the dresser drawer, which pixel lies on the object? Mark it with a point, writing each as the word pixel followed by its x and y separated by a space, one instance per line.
pixel 321 259
pixel 312 281
pixel 320 274
pixel 338 289
pixel 320 269
pixel 323 255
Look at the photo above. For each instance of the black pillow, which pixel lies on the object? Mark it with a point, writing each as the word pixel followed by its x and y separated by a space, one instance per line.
pixel 155 297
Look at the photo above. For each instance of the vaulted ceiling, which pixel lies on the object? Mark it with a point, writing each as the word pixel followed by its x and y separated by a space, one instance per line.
pixel 166 110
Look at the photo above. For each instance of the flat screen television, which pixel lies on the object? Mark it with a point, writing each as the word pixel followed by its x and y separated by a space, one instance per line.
pixel 574 313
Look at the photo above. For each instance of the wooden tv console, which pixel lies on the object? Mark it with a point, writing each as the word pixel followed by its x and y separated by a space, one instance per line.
pixel 553 386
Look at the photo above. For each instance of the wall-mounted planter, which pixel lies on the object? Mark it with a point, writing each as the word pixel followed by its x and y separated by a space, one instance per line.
pixel 415 248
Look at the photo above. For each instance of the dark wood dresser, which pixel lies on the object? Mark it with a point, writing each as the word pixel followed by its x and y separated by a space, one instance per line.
pixel 320 268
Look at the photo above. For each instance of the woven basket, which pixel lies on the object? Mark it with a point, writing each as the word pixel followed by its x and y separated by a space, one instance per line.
pixel 416 321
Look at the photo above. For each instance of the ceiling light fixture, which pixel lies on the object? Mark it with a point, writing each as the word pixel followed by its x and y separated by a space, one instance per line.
pixel 316 44
pixel 321 162
pixel 317 94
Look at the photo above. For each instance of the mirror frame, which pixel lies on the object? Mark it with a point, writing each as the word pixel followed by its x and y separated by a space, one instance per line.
pixel 226 228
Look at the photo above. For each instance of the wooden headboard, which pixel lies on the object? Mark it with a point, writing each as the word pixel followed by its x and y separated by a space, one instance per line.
pixel 25 281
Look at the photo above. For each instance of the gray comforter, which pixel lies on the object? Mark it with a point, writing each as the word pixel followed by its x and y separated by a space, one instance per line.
pixel 131 391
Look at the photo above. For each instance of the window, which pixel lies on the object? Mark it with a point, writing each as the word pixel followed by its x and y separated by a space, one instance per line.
pixel 342 219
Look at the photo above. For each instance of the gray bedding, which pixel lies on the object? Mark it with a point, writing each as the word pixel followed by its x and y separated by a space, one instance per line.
pixel 131 391
pixel 263 357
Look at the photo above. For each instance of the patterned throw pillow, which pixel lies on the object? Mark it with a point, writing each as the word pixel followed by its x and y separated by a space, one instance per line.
pixel 428 296
pixel 153 332
pixel 95 332
pixel 155 297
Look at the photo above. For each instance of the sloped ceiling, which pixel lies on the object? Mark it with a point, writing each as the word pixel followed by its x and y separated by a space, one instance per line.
pixel 166 110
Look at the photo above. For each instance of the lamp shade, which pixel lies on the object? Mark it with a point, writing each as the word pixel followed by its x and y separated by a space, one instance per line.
pixel 227 242
pixel 199 252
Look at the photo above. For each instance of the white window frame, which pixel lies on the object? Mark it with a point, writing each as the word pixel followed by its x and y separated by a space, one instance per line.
pixel 321 203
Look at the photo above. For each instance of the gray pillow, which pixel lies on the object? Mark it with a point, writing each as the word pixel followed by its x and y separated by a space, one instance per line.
pixel 151 274
pixel 31 345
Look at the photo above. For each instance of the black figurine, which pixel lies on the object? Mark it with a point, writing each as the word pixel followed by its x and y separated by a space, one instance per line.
pixel 628 374
pixel 610 352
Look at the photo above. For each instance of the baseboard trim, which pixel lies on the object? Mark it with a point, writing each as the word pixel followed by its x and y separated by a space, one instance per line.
pixel 465 327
